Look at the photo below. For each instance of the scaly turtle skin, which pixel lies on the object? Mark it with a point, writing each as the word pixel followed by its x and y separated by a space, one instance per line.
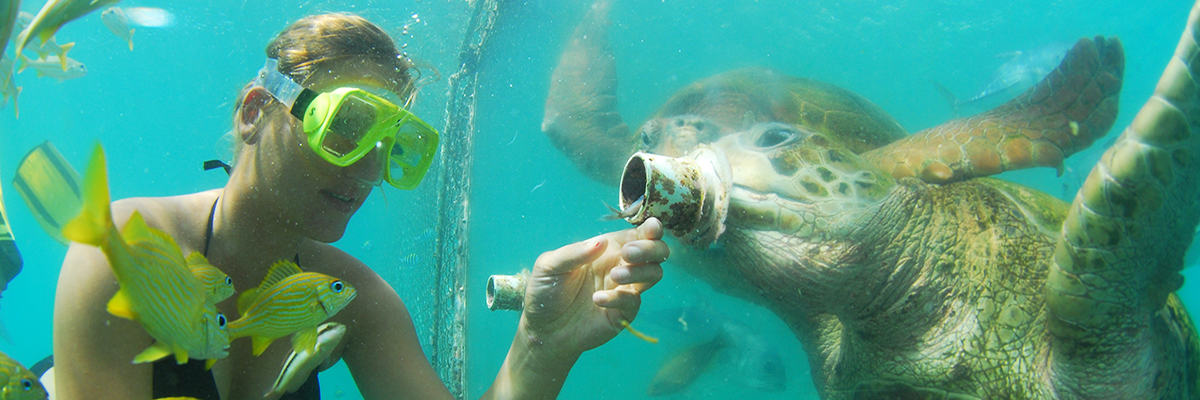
pixel 903 270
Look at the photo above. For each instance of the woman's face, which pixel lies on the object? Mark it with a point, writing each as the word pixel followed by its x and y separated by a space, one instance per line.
pixel 315 196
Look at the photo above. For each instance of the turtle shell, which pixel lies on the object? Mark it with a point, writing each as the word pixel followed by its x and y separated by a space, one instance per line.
pixel 741 98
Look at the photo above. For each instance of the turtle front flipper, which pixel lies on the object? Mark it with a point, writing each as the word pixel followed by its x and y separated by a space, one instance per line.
pixel 1113 313
pixel 581 109
pixel 1068 110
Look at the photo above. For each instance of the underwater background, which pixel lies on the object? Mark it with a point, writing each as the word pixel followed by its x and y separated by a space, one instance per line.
pixel 163 108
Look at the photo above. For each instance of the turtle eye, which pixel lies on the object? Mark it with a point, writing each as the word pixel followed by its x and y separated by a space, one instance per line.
pixel 775 136
pixel 26 384
pixel 337 286
pixel 221 320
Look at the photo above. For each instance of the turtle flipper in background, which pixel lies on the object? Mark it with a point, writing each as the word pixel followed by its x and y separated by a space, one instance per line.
pixel 581 116
pixel 1063 114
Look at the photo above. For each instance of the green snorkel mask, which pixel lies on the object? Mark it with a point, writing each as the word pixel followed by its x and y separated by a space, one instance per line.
pixel 345 124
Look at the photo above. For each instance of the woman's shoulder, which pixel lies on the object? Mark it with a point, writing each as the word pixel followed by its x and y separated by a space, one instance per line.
pixel 330 260
pixel 181 216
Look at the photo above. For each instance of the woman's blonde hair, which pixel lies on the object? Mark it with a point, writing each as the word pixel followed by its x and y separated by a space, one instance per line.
pixel 314 42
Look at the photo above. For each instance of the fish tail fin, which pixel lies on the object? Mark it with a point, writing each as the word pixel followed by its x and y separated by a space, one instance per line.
pixel 948 95
pixel 95 221
pixel 246 299
pixel 131 39
pixel 63 55
pixel 153 353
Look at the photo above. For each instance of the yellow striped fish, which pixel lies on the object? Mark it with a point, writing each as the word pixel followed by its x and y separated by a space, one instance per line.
pixel 19 383
pixel 157 289
pixel 289 301
pixel 217 285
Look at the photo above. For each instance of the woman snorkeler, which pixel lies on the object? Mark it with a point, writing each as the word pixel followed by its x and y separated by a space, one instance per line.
pixel 291 191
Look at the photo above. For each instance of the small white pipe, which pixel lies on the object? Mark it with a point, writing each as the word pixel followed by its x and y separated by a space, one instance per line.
pixel 506 292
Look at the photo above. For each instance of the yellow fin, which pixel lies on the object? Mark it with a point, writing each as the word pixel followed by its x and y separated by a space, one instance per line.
pixel 260 343
pixel 180 355
pixel 154 352
pixel 50 188
pixel 96 219
pixel 65 48
pixel 121 305
pixel 209 363
pixel 305 340
pixel 195 258
pixel 246 299
pixel 280 270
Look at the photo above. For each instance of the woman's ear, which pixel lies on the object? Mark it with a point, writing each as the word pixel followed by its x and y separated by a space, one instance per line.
pixel 250 115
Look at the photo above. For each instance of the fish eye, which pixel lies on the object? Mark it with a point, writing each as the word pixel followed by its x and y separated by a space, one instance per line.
pixel 221 320
pixel 337 286
pixel 645 138
pixel 26 384
pixel 228 281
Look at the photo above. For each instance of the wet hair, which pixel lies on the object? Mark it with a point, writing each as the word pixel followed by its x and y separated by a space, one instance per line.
pixel 318 41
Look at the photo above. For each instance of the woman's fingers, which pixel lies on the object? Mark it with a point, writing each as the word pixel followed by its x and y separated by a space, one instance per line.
pixel 567 258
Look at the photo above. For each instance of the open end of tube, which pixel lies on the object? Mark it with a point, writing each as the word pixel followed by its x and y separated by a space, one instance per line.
pixel 633 181
pixel 491 293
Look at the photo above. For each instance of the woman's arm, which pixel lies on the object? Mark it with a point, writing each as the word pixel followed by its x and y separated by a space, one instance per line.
pixel 382 350
pixel 576 299
pixel 588 289
pixel 94 350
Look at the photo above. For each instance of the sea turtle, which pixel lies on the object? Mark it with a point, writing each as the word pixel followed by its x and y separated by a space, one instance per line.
pixel 904 271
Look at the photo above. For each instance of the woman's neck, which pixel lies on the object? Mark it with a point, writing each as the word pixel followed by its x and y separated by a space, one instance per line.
pixel 247 234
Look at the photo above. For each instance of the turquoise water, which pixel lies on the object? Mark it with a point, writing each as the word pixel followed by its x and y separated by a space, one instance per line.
pixel 161 110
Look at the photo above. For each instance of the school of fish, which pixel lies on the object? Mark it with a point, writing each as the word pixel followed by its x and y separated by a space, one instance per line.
pixel 36 34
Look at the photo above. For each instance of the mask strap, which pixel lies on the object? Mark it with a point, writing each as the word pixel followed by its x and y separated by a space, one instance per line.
pixel 295 97
pixel 214 164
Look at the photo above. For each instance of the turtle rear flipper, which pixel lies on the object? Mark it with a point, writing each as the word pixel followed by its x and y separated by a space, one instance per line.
pixel 1110 290
pixel 581 116
pixel 1064 113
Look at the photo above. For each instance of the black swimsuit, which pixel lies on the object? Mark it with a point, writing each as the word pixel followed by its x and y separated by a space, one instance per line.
pixel 192 380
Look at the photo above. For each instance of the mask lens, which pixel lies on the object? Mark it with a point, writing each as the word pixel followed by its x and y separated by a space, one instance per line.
pixel 349 127
pixel 413 145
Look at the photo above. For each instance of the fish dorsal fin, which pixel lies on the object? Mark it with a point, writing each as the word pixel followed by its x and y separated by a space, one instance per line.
pixel 138 234
pixel 195 259
pixel 278 272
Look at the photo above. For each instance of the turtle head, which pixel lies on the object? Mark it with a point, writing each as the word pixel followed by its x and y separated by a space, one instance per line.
pixel 797 181
pixel 770 177
pixel 677 135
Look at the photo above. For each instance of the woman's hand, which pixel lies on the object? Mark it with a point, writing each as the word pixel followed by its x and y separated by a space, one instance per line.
pixel 578 295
